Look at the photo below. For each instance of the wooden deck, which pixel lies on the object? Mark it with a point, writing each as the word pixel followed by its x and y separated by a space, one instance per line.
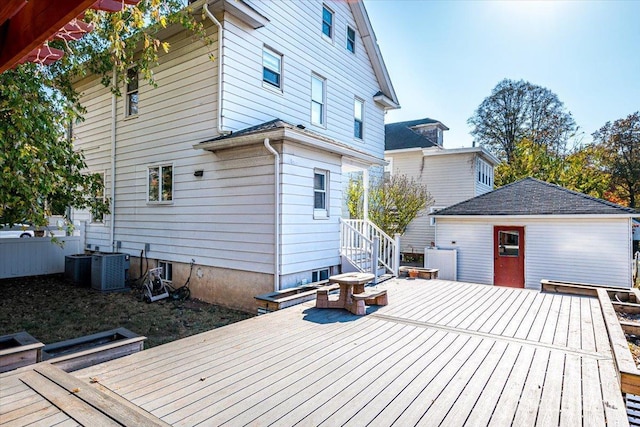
pixel 441 353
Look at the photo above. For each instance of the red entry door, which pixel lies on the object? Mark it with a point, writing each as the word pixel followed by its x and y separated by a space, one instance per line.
pixel 508 256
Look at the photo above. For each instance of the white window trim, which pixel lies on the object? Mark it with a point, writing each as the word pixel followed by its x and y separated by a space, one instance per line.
pixel 331 38
pixel 104 181
pixel 346 45
pixel 323 124
pixel 362 113
pixel 434 209
pixel 128 92
pixel 164 277
pixel 265 84
pixel 318 271
pixel 321 213
pixel 161 202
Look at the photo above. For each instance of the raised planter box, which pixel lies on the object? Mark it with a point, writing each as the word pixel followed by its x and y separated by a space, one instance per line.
pixel 19 349
pixel 274 301
pixel 78 353
pixel 611 300
pixel 423 273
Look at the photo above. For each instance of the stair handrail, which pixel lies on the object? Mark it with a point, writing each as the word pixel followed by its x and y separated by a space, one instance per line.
pixel 388 247
pixel 353 244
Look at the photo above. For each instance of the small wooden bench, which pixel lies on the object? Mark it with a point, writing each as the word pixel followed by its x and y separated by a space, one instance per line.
pixel 322 295
pixel 369 297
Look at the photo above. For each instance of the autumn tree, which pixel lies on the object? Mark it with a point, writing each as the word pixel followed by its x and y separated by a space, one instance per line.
pixel 620 142
pixel 579 169
pixel 393 202
pixel 38 164
pixel 518 110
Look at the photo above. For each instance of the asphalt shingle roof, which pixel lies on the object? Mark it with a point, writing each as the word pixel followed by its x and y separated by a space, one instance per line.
pixel 400 135
pixel 531 196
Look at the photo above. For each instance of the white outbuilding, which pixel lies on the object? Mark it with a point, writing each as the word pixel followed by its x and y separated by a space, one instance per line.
pixel 531 230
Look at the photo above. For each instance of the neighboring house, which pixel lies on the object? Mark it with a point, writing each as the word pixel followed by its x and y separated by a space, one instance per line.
pixel 415 148
pixel 238 162
pixel 531 230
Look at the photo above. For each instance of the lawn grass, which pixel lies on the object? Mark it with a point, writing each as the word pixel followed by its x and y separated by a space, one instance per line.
pixel 51 310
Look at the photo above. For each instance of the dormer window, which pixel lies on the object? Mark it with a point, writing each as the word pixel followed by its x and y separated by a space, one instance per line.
pixel 327 22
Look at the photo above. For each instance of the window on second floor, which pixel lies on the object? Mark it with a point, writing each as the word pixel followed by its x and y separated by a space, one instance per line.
pixel 351 40
pixel 271 68
pixel 327 22
pixel 318 110
pixel 358 118
pixel 132 92
pixel 160 184
pixel 320 193
pixel 388 168
pixel 484 173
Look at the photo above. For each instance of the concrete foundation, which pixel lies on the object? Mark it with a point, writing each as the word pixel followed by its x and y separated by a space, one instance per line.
pixel 221 286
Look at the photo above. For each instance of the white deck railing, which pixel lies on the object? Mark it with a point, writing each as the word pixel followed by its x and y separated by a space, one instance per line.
pixel 362 242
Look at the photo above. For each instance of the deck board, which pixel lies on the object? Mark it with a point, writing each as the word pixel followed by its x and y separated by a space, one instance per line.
pixel 441 353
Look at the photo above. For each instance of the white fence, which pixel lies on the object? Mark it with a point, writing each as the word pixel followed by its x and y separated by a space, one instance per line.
pixel 36 256
pixel 445 260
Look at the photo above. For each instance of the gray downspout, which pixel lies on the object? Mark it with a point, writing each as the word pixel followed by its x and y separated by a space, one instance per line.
pixel 276 180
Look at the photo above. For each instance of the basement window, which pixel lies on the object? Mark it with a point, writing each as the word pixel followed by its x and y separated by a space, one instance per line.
pixel 319 275
pixel 167 270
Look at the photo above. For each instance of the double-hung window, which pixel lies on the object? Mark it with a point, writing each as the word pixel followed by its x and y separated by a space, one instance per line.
pixel 318 111
pixel 132 92
pixel 358 117
pixel 160 183
pixel 271 68
pixel 320 193
pixel 351 40
pixel 327 22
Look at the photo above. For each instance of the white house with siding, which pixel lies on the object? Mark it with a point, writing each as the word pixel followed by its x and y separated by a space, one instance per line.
pixel 415 148
pixel 531 230
pixel 238 162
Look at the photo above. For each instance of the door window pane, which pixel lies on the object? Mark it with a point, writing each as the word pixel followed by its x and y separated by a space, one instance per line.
pixel 509 243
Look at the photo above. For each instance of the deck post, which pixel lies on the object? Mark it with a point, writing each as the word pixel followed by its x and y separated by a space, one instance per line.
pixel 374 257
pixel 396 255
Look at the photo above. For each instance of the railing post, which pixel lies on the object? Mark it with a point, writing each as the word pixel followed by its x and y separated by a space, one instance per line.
pixel 396 255
pixel 374 258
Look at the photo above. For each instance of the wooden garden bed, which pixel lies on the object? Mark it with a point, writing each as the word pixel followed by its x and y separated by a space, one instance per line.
pixel 19 349
pixel 621 312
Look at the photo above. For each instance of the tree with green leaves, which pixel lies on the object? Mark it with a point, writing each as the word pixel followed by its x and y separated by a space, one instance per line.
pixel 393 202
pixel 620 143
pixel 38 165
pixel 518 110
pixel 580 169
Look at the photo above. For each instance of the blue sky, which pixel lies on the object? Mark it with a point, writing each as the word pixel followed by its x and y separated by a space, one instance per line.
pixel 445 57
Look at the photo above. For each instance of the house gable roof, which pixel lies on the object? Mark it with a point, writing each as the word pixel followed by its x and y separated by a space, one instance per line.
pixel 387 95
pixel 398 136
pixel 531 196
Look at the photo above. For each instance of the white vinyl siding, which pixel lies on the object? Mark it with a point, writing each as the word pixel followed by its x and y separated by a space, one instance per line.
pixel 576 250
pixel 293 31
pixel 309 244
pixel 449 179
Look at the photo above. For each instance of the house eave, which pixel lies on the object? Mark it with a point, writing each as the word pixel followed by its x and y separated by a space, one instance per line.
pixel 386 102
pixel 291 135
pixel 537 216
pixel 463 150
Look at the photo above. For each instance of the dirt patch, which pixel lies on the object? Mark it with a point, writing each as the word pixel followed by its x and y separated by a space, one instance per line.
pixel 51 310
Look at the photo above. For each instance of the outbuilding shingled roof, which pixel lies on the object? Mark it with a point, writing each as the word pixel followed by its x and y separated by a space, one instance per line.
pixel 531 196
